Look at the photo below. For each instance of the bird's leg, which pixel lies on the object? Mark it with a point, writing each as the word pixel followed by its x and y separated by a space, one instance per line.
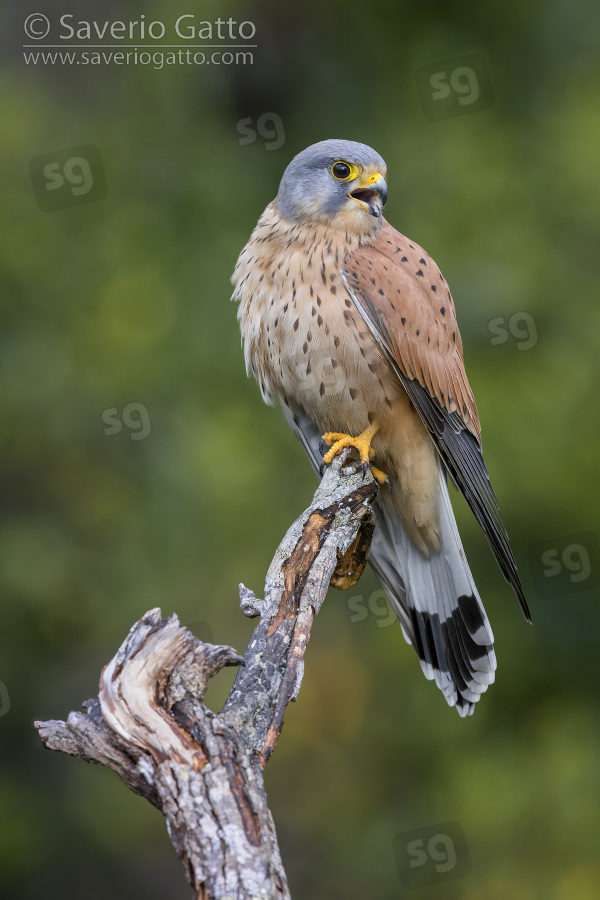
pixel 362 444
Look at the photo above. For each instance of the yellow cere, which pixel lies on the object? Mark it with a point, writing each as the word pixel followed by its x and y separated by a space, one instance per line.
pixel 371 179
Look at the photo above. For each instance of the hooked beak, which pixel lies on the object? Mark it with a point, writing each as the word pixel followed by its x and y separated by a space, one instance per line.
pixel 372 193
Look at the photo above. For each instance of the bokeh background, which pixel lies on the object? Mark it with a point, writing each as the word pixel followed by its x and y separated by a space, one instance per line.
pixel 124 401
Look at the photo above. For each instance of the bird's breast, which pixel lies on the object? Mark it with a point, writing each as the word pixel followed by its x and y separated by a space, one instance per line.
pixel 304 340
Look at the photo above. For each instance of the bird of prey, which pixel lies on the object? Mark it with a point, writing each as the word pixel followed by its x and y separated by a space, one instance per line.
pixel 351 327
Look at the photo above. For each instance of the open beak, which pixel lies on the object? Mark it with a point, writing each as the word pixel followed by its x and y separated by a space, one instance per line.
pixel 372 193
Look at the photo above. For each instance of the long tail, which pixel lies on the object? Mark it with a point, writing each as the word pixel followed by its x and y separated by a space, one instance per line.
pixel 435 599
pixel 438 605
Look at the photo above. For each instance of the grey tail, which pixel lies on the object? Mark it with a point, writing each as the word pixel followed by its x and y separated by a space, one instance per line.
pixel 438 605
pixel 434 598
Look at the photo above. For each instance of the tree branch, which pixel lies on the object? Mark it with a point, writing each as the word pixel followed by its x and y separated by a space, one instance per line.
pixel 204 770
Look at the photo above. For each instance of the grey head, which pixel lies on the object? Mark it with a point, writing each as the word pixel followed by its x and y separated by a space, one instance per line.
pixel 334 182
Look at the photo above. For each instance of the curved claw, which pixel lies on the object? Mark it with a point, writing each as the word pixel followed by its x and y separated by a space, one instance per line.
pixel 381 478
pixel 322 468
pixel 341 441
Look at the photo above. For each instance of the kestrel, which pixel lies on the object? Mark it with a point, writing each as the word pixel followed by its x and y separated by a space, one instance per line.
pixel 351 327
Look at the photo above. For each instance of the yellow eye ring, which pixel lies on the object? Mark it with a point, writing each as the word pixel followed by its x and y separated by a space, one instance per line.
pixel 344 171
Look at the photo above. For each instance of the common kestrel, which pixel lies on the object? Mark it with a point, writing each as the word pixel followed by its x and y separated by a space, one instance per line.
pixel 352 328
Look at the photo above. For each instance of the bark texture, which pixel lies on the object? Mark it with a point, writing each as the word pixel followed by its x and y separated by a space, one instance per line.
pixel 201 769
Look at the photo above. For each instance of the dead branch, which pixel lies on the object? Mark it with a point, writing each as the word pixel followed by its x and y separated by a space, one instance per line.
pixel 204 770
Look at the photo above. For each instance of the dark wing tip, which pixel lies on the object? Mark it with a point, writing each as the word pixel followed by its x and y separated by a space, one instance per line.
pixel 458 447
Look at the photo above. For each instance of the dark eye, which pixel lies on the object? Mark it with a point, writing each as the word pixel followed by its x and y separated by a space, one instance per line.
pixel 341 170
pixel 344 171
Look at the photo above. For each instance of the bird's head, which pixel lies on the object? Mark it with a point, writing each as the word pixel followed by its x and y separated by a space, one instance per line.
pixel 339 183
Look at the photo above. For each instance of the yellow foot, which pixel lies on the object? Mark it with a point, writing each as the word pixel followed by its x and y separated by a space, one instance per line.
pixel 380 477
pixel 340 442
pixel 362 443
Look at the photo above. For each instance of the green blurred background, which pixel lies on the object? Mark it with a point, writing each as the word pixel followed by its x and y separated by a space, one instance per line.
pixel 126 301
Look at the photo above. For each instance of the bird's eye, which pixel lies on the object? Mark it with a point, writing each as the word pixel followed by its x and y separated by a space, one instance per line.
pixel 343 171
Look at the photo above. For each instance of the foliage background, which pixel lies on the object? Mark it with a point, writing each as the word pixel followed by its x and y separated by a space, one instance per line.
pixel 127 299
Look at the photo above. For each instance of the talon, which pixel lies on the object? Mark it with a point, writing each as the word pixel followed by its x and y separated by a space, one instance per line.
pixel 321 469
pixel 362 443
pixel 322 447
pixel 381 478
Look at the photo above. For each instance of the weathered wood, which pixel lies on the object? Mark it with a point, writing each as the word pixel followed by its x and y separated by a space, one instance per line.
pixel 204 770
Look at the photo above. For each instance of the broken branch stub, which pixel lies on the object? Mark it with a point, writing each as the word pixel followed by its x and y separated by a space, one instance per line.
pixel 204 770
